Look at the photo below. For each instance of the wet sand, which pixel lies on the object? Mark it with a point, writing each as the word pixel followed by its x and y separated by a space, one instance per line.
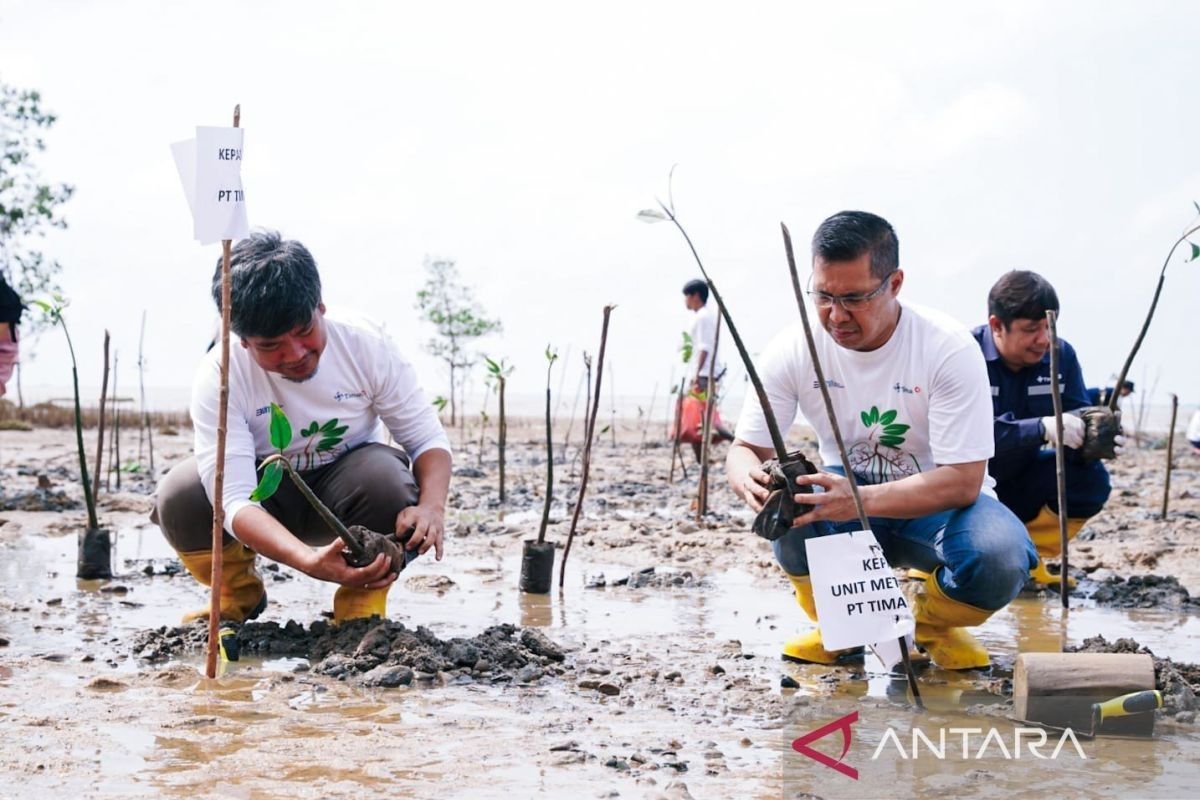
pixel 670 683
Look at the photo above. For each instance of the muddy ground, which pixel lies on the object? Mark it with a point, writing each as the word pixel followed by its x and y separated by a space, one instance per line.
pixel 654 673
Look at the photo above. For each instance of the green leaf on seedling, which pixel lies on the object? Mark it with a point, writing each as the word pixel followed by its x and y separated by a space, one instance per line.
pixel 651 215
pixel 492 366
pixel 605 429
pixel 280 430
pixel 269 482
pixel 1195 251
pixel 44 306
pixel 685 349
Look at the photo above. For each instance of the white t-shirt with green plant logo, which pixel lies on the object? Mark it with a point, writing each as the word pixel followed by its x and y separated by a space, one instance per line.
pixel 921 400
pixel 363 390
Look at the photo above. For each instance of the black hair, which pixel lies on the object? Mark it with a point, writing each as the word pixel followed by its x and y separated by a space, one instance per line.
pixel 1021 294
pixel 274 282
pixel 848 234
pixel 697 286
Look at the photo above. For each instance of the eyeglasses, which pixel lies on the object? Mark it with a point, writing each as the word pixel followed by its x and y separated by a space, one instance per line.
pixel 850 302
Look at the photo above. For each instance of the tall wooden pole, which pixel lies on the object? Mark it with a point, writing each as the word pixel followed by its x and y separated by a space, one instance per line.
pixel 100 438
pixel 1170 453
pixel 218 529
pixel 1060 463
pixel 706 428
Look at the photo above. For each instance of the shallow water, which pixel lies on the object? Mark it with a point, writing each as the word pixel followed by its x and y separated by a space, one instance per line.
pixel 268 731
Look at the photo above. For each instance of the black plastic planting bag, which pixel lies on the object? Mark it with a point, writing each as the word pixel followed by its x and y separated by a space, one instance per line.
pixel 1100 427
pixel 781 508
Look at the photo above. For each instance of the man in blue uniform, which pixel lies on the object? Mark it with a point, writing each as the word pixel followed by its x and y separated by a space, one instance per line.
pixel 1016 347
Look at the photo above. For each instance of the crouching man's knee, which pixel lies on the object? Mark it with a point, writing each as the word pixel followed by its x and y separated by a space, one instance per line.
pixel 182 510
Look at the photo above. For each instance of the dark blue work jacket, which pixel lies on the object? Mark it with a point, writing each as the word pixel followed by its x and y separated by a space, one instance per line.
pixel 1020 399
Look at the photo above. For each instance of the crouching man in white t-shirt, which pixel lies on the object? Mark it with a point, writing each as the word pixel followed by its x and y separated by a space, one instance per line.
pixel 345 388
pixel 911 395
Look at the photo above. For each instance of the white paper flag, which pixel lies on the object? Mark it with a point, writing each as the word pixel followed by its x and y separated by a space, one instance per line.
pixel 210 169
pixel 858 598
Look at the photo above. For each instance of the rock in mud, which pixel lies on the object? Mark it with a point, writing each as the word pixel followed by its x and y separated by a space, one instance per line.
pixel 1146 591
pixel 1179 683
pixel 369 651
pixel 40 500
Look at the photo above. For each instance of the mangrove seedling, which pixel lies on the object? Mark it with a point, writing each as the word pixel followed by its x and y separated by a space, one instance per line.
pixel 537 557
pixel 363 545
pixel 589 432
pixel 94 557
pixel 1103 423
pixel 499 372
pixel 780 509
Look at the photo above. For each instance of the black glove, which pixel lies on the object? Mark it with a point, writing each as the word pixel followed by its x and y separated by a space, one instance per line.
pixel 1101 426
pixel 781 508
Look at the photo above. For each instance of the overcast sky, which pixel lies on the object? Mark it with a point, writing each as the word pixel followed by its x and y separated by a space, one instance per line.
pixel 521 139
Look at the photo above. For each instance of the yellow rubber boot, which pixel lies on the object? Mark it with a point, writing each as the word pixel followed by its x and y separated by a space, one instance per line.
pixel 242 594
pixel 940 629
pixel 918 575
pixel 808 647
pixel 1043 532
pixel 350 603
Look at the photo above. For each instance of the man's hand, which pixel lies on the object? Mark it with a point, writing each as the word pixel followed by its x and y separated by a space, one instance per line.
pixel 835 503
pixel 1073 430
pixel 428 525
pixel 327 564
pixel 756 487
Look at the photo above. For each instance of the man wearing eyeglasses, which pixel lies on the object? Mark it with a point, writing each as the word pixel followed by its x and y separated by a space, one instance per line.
pixel 910 393
pixel 1016 345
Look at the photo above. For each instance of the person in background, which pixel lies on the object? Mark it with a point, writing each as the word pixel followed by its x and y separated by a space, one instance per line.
pixel 1099 397
pixel 10 315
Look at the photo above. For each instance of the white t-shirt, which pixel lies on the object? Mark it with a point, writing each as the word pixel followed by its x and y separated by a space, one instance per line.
pixel 1193 428
pixel 704 339
pixel 362 390
pixel 921 400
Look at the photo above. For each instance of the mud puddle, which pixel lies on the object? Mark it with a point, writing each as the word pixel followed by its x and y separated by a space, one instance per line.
pixel 668 689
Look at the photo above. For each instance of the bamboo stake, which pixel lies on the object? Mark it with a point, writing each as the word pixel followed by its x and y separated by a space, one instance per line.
pixel 706 428
pixel 574 408
pixel 1060 463
pixel 218 528
pixel 649 415
pixel 863 521
pixel 502 435
pixel 100 438
pixel 116 444
pixel 549 454
pixel 1170 453
pixel 141 362
pixel 675 453
pixel 587 446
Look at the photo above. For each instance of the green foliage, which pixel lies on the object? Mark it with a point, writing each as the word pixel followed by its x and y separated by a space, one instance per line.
pixel 28 205
pixel 1195 251
pixel 440 403
pixel 280 431
pixel 499 370
pixel 450 307
pixel 685 349
pixel 267 485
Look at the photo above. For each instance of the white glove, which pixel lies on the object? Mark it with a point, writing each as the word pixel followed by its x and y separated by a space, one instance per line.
pixel 1072 430
pixel 1118 444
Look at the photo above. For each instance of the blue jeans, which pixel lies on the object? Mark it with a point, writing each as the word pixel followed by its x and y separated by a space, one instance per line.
pixel 1036 485
pixel 983 549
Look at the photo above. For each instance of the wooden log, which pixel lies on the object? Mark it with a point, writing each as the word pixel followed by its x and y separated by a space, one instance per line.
pixel 1059 689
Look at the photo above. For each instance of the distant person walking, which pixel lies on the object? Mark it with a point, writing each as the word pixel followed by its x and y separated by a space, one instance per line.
pixel 10 315
pixel 705 355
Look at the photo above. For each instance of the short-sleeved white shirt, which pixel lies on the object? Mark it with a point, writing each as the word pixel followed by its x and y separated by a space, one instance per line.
pixel 363 390
pixel 920 400
pixel 704 339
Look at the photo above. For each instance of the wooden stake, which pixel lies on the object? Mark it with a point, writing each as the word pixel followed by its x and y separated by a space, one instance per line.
pixel 706 428
pixel 837 435
pixel 1170 453
pixel 587 447
pixel 218 529
pixel 100 438
pixel 1060 463
pixel 675 454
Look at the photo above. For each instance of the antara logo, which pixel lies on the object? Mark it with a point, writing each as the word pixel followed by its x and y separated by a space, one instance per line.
pixel 801 745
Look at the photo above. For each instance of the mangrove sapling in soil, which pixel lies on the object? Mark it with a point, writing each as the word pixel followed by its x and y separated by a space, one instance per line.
pixel 775 518
pixel 1103 423
pixel 100 437
pixel 537 557
pixel 499 372
pixel 1170 454
pixel 363 545
pixel 94 558
pixel 589 432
